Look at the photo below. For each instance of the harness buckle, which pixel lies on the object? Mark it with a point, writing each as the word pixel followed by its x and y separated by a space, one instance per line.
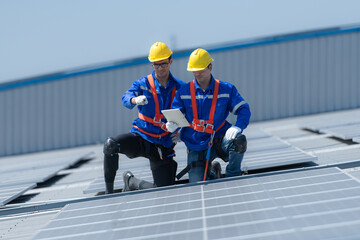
pixel 210 126
pixel 201 122
pixel 199 128
pixel 163 126
pixel 157 120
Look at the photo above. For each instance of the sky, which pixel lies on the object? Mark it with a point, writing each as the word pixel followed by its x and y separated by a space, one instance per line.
pixel 46 36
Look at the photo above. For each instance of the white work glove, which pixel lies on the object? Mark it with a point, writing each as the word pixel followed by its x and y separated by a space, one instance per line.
pixel 172 126
pixel 141 100
pixel 232 132
pixel 175 137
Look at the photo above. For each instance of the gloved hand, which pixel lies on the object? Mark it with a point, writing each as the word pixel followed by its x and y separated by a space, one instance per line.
pixel 175 137
pixel 141 100
pixel 232 132
pixel 172 126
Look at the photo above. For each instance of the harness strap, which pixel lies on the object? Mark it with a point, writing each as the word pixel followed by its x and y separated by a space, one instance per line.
pixel 152 134
pixel 156 121
pixel 204 125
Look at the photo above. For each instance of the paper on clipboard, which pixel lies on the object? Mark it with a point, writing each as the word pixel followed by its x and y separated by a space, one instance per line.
pixel 175 115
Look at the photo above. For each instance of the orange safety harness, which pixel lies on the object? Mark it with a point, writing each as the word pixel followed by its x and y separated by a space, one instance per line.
pixel 156 121
pixel 205 125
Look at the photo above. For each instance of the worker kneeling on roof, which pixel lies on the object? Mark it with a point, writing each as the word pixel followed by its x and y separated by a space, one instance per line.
pixel 148 137
pixel 206 103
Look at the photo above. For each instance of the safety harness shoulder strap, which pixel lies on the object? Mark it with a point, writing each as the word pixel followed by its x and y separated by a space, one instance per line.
pixel 156 121
pixel 204 125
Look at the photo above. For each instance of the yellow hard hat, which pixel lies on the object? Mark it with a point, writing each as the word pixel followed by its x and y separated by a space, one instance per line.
pixel 199 60
pixel 159 51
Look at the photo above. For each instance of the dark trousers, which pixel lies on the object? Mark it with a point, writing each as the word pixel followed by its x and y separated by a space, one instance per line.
pixel 132 145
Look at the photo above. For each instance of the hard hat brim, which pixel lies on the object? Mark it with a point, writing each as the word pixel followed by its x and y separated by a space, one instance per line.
pixel 159 58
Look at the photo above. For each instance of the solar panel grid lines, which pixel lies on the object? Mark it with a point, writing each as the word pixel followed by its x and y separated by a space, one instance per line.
pixel 266 206
pixel 347 172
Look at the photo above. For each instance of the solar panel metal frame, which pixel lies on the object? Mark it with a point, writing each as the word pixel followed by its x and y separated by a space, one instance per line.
pixel 9 193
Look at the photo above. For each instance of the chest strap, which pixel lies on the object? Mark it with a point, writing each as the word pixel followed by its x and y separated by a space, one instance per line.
pixel 204 125
pixel 156 121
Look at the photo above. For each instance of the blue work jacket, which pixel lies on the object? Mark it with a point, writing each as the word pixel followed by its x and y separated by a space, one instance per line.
pixel 142 87
pixel 228 100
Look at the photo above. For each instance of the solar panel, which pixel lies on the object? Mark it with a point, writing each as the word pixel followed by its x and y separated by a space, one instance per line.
pixel 254 133
pixel 341 155
pixel 275 158
pixel 262 144
pixel 346 132
pixel 316 142
pixel 21 173
pixel 288 131
pixel 321 123
pixel 9 193
pixel 308 204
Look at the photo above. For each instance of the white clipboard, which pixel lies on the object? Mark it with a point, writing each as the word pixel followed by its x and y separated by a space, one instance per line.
pixel 175 115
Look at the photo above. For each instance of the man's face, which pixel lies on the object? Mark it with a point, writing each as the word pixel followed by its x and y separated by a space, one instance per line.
pixel 203 76
pixel 162 67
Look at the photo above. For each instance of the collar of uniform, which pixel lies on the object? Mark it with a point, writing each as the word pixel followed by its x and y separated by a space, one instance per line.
pixel 158 85
pixel 210 87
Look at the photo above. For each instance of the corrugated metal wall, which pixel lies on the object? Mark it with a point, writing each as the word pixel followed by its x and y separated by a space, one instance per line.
pixel 280 77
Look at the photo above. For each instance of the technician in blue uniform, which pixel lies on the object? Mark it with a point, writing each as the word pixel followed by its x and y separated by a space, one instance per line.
pixel 206 103
pixel 149 137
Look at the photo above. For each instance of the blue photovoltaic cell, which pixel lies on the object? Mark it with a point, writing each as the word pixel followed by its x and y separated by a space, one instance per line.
pixel 318 203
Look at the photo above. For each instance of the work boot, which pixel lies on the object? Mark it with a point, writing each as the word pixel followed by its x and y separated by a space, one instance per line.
pixel 216 168
pixel 109 188
pixel 126 177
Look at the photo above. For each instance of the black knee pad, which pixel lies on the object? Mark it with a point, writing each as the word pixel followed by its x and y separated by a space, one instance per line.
pixel 240 144
pixel 111 147
pixel 164 172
